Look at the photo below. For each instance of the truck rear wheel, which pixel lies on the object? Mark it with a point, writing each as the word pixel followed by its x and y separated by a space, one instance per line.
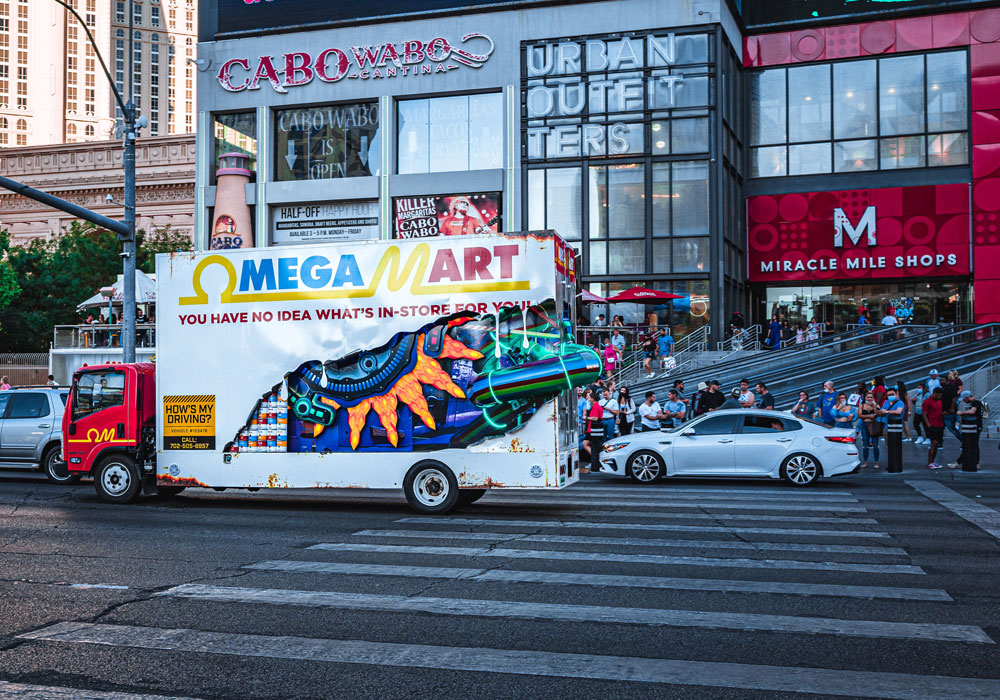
pixel 117 479
pixel 431 488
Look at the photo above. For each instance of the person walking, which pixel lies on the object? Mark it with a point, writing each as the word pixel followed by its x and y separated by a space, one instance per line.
pixel 892 410
pixel 626 412
pixel 804 408
pixel 970 415
pixel 650 413
pixel 649 345
pixel 827 400
pixel 934 425
pixel 917 411
pixel 665 346
pixel 773 340
pixel 951 387
pixel 872 429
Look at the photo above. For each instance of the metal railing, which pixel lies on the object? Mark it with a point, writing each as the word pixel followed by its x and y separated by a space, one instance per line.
pixel 984 381
pixel 100 336
pixel 696 340
pixel 741 339
pixel 24 368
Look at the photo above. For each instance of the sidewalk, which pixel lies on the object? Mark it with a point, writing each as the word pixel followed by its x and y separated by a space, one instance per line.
pixel 915 461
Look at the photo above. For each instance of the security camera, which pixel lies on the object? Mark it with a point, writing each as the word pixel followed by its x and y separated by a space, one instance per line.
pixel 109 198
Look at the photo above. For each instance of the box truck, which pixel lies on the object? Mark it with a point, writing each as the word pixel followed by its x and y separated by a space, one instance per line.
pixel 443 366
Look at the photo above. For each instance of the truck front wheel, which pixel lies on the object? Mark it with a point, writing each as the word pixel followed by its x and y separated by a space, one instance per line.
pixel 117 479
pixel 431 488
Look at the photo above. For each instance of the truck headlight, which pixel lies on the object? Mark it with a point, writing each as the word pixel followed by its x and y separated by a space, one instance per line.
pixel 615 447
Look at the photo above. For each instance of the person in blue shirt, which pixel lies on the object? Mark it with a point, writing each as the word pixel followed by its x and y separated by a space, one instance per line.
pixel 892 414
pixel 674 410
pixel 666 346
pixel 804 407
pixel 773 340
pixel 827 400
pixel 581 405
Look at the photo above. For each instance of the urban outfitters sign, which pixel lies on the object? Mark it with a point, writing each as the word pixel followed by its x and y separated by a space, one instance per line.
pixel 890 232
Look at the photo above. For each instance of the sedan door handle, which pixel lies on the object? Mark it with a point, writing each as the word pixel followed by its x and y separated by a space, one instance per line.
pixel 725 441
pixel 784 439
pixel 44 425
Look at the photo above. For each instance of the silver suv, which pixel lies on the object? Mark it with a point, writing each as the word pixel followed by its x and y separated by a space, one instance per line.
pixel 31 430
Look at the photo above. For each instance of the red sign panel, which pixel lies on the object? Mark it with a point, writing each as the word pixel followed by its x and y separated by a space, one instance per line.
pixel 864 234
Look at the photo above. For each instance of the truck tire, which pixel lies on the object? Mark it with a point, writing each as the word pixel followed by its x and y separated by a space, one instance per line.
pixel 431 488
pixel 117 479
pixel 469 496
pixel 49 460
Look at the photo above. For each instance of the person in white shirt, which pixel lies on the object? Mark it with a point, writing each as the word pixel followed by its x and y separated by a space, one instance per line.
pixel 934 382
pixel 746 396
pixel 889 320
pixel 618 342
pixel 610 407
pixel 650 413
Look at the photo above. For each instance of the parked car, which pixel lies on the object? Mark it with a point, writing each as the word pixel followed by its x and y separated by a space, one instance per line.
pixel 735 443
pixel 31 430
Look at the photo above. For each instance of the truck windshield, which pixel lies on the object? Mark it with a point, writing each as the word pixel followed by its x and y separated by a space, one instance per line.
pixel 96 391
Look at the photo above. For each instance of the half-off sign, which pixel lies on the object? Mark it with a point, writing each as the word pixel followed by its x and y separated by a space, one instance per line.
pixel 313 223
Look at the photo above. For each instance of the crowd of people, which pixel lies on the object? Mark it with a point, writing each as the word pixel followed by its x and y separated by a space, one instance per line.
pixel 875 410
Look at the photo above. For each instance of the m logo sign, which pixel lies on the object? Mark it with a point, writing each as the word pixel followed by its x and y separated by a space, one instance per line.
pixel 841 225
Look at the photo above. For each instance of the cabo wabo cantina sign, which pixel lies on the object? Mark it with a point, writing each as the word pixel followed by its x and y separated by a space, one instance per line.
pixel 382 61
pixel 889 232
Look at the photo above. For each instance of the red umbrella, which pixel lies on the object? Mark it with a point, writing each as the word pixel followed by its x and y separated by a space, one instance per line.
pixel 589 297
pixel 641 295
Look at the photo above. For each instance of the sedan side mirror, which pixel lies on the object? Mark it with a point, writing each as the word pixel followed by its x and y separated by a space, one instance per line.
pixel 689 432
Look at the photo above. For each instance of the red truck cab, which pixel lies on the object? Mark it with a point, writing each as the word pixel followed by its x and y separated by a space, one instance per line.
pixel 109 428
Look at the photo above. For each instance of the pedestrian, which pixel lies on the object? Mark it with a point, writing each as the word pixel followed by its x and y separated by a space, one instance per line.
pixel 878 388
pixel 626 411
pixel 903 393
pixel 804 408
pixel 843 413
pixel 951 387
pixel 610 406
pixel 738 320
pixel 679 386
pixel 970 414
pixel 893 413
pixel 734 399
pixel 674 409
pixel 827 400
pixel 713 399
pixel 610 357
pixel 649 345
pixel 4 384
pixel 934 424
pixel 696 405
pixel 51 381
pixel 650 413
pixel 855 400
pixel 764 398
pixel 800 334
pixel 618 342
pixel 933 382
pixel 665 346
pixel 582 410
pixel 917 411
pixel 873 429
pixel 600 322
pixel 595 434
pixel 773 340
pixel 746 396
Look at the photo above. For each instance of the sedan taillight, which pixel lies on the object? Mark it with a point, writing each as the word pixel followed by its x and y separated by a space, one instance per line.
pixel 845 439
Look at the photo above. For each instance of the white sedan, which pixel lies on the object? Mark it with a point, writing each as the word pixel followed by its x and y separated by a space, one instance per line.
pixel 734 443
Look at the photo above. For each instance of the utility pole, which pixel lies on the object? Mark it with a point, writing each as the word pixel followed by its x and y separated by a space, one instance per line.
pixel 128 161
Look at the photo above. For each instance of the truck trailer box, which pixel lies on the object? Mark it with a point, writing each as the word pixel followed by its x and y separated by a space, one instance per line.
pixel 444 362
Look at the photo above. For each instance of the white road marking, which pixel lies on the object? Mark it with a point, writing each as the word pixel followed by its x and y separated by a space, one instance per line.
pixel 678 496
pixel 847 683
pixel 661 559
pixel 620 581
pixel 562 612
pixel 635 542
pixel 666 490
pixel 566 500
pixel 21 691
pixel 785 518
pixel 979 515
pixel 107 586
pixel 665 527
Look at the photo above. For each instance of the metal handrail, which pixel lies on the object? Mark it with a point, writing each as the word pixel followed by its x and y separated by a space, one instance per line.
pixel 100 335
pixel 695 340
pixel 740 339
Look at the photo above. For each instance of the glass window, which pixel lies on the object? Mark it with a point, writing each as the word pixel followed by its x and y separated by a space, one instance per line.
pixel 96 391
pixel 902 152
pixel 851 156
pixel 327 142
pixel 236 133
pixel 948 149
pixel 555 198
pixel 4 399
pixel 29 405
pixel 757 424
pixel 808 103
pixel 661 203
pixel 689 198
pixel 690 254
pixel 716 425
pixel 627 256
pixel 626 208
pixel 854 99
pixel 947 106
pixel 689 135
pixel 768 162
pixel 767 106
pixel 806 159
pixel 901 95
pixel 661 254
pixel 598 258
pixel 444 134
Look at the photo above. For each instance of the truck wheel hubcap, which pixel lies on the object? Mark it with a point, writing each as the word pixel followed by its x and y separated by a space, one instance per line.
pixel 116 479
pixel 431 487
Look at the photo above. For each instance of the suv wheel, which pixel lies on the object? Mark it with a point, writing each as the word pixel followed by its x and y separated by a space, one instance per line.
pixel 50 459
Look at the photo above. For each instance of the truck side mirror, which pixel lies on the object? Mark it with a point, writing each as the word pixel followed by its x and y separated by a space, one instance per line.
pixel 72 429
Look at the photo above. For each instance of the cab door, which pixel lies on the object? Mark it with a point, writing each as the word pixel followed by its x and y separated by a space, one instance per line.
pixel 98 416
pixel 26 423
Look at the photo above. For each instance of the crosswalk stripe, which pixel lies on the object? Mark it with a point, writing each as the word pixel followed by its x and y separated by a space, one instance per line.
pixel 979 515
pixel 826 520
pixel 634 542
pixel 562 500
pixel 564 612
pixel 627 558
pixel 687 488
pixel 670 496
pixel 22 691
pixel 666 527
pixel 848 683
pixel 621 581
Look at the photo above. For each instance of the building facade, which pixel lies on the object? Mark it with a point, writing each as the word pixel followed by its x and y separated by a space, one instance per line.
pixel 53 89
pixel 699 148
pixel 85 173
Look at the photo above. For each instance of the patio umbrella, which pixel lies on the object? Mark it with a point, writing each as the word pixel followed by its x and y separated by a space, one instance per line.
pixel 145 292
pixel 641 295
pixel 588 297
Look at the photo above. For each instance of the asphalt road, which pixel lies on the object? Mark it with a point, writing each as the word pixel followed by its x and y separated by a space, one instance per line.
pixel 880 586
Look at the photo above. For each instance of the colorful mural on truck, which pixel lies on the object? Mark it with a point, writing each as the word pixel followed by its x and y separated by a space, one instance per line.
pixel 448 384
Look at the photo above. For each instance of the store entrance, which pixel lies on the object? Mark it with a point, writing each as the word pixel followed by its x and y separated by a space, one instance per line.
pixel 838 306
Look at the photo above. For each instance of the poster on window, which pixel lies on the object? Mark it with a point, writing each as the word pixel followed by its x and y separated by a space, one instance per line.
pixel 446 215
pixel 335 221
